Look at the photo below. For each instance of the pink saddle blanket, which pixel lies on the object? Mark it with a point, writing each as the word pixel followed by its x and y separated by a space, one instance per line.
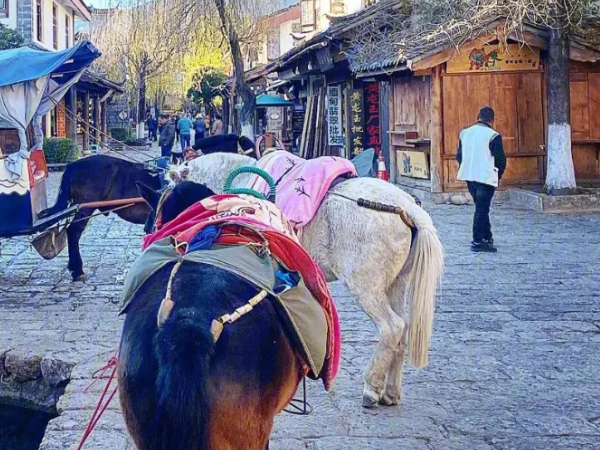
pixel 301 184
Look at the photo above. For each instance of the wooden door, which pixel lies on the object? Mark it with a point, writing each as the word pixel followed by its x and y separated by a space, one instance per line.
pixel 517 101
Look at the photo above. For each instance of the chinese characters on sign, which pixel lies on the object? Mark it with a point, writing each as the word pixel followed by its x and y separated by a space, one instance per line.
pixel 357 121
pixel 372 121
pixel 334 115
pixel 412 164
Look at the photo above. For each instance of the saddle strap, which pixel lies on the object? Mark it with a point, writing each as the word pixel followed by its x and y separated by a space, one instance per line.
pixel 216 327
pixel 167 304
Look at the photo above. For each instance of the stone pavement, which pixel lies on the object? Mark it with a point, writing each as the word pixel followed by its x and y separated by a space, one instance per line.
pixel 514 361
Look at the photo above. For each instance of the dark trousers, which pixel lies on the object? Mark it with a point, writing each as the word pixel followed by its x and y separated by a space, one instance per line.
pixel 152 134
pixel 199 135
pixel 482 196
pixel 185 141
pixel 165 150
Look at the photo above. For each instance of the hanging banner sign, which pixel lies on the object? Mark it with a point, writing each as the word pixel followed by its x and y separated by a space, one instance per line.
pixel 372 117
pixel 334 115
pixel 490 58
pixel 357 121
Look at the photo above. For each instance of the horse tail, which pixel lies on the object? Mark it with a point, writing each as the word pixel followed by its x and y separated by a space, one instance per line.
pixel 426 266
pixel 64 194
pixel 183 348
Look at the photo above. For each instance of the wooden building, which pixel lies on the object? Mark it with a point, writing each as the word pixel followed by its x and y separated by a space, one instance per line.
pixel 436 92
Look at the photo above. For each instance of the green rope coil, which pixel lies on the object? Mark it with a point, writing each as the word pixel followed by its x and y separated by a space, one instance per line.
pixel 256 171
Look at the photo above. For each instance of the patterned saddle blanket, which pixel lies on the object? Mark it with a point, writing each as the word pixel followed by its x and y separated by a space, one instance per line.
pixel 226 231
pixel 301 184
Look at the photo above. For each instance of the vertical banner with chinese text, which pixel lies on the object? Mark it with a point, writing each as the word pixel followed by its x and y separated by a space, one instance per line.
pixel 334 115
pixel 356 121
pixel 372 117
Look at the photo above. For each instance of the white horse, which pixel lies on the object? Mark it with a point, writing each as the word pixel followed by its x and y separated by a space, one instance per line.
pixel 392 270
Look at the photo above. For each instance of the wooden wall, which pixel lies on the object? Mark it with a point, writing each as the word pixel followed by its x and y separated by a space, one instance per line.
pixel 411 105
pixel 518 102
pixel 585 119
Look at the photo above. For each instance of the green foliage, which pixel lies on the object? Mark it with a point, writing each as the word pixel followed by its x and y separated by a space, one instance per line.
pixel 9 38
pixel 60 150
pixel 135 142
pixel 120 134
pixel 207 87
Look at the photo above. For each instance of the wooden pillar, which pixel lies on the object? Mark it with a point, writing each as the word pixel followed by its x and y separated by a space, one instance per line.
pixel 72 115
pixel 392 128
pixel 86 125
pixel 437 131
pixel 104 122
pixel 97 125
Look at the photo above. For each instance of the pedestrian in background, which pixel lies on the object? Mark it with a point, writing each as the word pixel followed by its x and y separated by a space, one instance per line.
pixel 199 128
pixel 184 126
pixel 167 135
pixel 217 127
pixel 482 163
pixel 152 124
pixel 177 118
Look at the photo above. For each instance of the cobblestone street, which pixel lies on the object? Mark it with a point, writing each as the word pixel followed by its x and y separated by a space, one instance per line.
pixel 514 362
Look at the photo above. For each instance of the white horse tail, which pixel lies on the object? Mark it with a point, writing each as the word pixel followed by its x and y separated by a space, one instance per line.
pixel 426 266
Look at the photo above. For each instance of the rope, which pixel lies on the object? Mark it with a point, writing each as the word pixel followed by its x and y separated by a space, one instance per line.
pixel 167 304
pixel 217 325
pixel 100 407
pixel 382 207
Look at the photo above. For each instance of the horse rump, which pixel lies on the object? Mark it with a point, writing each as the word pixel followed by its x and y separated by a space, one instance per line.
pixel 224 143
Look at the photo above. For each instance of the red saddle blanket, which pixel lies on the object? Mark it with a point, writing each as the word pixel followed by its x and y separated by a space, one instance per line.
pixel 244 219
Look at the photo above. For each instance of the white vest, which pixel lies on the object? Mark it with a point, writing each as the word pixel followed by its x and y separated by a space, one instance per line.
pixel 477 159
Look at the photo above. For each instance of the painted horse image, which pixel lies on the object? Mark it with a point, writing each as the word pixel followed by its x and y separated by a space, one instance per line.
pixel 392 263
pixel 480 59
pixel 187 380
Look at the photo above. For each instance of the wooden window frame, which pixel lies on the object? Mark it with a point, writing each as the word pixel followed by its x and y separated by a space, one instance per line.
pixel 67 31
pixel 4 9
pixel 54 26
pixel 39 17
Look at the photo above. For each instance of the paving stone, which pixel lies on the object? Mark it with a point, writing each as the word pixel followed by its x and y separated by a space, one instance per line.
pixel 514 356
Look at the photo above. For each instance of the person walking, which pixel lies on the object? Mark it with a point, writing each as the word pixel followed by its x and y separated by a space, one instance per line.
pixel 184 126
pixel 482 163
pixel 167 135
pixel 199 128
pixel 217 126
pixel 152 124
pixel 177 119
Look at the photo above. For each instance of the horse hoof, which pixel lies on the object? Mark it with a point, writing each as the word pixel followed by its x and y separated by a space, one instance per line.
pixel 387 400
pixel 368 402
pixel 81 277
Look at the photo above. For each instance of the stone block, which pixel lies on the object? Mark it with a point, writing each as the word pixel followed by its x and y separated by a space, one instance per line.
pixel 23 366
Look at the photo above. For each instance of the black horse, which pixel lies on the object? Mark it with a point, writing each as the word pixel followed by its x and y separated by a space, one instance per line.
pixel 100 178
pixel 225 143
pixel 179 389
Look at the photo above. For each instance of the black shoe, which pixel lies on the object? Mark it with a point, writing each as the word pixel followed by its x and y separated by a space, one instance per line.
pixel 483 247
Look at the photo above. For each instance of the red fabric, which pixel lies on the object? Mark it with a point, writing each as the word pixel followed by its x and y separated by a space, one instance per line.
pixel 193 220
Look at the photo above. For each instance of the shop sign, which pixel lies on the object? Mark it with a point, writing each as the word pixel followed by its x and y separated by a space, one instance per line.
pixel 412 164
pixel 491 58
pixel 334 115
pixel 357 121
pixel 372 117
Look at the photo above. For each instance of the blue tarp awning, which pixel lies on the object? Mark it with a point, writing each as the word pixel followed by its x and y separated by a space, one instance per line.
pixel 25 63
pixel 270 100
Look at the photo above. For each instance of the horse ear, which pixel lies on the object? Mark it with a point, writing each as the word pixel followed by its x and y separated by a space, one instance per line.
pixel 150 195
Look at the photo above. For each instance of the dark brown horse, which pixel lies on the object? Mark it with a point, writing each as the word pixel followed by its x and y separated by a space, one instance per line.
pixel 181 390
pixel 100 178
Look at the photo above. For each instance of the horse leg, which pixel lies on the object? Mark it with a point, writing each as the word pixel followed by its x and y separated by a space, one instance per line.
pixel 393 386
pixel 74 232
pixel 390 327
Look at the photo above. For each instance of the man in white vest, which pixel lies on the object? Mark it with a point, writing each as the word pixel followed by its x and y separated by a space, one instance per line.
pixel 482 163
